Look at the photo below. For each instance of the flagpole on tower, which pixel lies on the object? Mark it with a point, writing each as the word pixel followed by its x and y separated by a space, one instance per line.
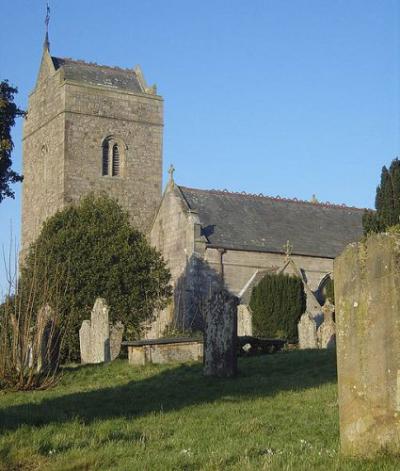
pixel 46 44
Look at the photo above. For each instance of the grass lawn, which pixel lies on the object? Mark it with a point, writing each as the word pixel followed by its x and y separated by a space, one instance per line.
pixel 280 413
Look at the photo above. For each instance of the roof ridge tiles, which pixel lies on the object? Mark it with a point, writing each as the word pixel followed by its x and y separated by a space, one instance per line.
pixel 82 62
pixel 326 204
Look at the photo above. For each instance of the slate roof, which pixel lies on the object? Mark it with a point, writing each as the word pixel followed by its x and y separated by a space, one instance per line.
pixel 94 74
pixel 259 223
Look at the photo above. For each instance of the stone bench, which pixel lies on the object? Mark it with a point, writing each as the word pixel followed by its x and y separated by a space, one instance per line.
pixel 158 351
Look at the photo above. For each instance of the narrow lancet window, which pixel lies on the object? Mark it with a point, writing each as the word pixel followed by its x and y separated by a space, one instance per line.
pixel 105 158
pixel 115 160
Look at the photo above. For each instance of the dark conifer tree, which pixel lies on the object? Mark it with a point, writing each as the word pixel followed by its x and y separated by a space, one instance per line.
pixel 387 201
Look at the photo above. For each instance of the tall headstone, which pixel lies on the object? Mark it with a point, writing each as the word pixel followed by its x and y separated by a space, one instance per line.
pixel 47 348
pixel 100 342
pixel 220 335
pixel 100 332
pixel 367 301
pixel 116 333
pixel 84 342
pixel 307 329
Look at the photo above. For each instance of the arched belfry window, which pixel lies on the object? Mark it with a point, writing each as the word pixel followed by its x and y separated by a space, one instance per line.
pixel 115 160
pixel 113 157
pixel 105 157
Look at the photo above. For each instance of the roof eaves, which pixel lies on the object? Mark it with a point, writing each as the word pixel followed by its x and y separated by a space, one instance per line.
pixel 243 248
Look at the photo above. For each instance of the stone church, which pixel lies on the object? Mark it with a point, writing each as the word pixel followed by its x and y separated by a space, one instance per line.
pixel 94 128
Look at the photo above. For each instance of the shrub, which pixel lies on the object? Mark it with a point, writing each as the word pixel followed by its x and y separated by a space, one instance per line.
pixel 92 250
pixel 277 303
pixel 30 339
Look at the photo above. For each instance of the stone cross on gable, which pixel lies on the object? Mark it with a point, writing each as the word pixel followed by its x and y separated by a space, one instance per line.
pixel 171 171
pixel 288 247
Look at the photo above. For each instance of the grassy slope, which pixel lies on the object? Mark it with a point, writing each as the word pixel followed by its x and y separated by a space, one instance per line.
pixel 280 414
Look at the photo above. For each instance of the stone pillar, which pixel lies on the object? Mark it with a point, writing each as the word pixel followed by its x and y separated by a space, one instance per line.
pixel 326 333
pixel 367 300
pixel 220 335
pixel 307 329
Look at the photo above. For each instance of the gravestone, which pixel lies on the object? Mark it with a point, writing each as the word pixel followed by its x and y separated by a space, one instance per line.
pixel 47 348
pixel 84 342
pixel 116 333
pixel 100 343
pixel 307 329
pixel 220 335
pixel 367 301
pixel 326 333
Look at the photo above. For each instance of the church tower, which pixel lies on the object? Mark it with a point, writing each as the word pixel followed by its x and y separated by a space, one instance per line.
pixel 90 128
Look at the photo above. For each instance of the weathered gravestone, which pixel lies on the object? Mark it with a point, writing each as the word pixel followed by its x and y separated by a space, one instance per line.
pixel 99 342
pixel 116 333
pixel 326 332
pixel 367 300
pixel 307 329
pixel 220 335
pixel 46 351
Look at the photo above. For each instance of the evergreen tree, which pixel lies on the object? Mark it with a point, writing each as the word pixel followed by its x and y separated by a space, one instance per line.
pixel 395 180
pixel 277 303
pixel 90 250
pixel 8 112
pixel 387 201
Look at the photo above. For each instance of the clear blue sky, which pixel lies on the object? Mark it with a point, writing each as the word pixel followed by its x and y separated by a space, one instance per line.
pixel 286 98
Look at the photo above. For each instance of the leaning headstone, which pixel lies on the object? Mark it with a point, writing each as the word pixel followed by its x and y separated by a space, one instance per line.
pixel 367 301
pixel 116 333
pixel 84 342
pixel 47 351
pixel 100 342
pixel 307 329
pixel 220 335
pixel 326 333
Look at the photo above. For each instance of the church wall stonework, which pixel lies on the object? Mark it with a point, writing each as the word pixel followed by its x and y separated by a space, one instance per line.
pixel 62 148
pixel 171 232
pixel 43 154
pixel 172 235
pixel 240 265
pixel 91 115
pixel 176 233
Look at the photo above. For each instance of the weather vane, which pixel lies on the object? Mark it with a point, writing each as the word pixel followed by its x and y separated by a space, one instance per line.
pixel 46 22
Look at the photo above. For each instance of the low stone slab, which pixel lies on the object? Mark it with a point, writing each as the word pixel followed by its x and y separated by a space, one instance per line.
pixel 367 301
pixel 160 351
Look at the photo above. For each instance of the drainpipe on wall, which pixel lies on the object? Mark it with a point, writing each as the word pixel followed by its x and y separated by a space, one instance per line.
pixel 221 252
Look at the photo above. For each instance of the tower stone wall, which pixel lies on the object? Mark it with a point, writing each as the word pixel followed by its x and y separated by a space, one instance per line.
pixel 68 121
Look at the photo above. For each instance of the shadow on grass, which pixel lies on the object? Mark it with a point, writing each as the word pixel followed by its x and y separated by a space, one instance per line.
pixel 176 388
